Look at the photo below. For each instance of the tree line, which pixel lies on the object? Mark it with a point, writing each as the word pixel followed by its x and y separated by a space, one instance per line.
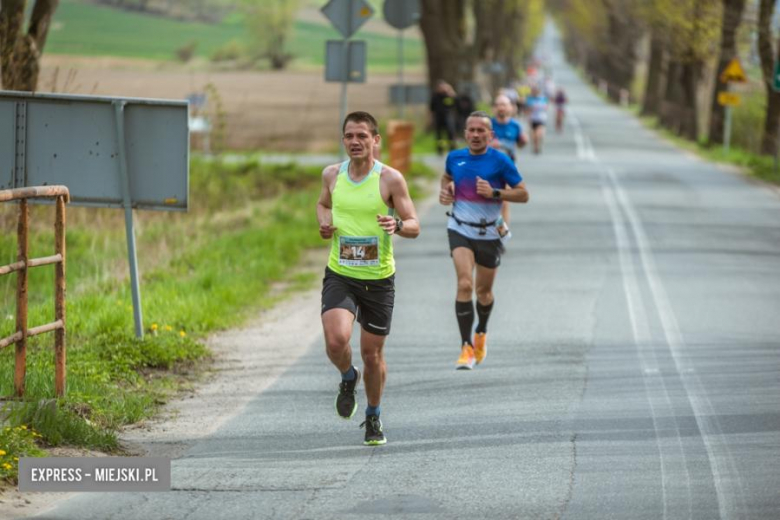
pixel 686 38
pixel 462 35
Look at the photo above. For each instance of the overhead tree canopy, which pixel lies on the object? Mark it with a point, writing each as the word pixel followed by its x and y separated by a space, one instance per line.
pixel 461 35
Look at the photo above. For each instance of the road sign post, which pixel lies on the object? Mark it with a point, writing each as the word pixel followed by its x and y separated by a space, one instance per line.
pixel 727 124
pixel 733 73
pixel 401 14
pixel 347 16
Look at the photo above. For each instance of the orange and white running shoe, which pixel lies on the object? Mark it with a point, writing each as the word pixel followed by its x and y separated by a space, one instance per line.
pixel 480 346
pixel 466 359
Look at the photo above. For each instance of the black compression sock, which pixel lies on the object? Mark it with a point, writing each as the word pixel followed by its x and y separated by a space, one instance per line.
pixel 483 311
pixel 464 311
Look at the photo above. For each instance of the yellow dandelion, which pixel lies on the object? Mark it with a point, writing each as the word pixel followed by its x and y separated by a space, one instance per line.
pixel 168 328
pixel 2 452
pixel 182 334
pixel 154 326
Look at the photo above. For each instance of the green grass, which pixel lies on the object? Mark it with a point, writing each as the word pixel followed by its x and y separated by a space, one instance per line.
pixel 16 442
pixel 85 29
pixel 203 271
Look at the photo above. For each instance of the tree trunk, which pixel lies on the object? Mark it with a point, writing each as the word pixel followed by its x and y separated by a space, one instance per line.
pixel 768 57
pixel 689 111
pixel 670 105
pixel 443 24
pixel 20 53
pixel 732 17
pixel 651 104
pixel 620 58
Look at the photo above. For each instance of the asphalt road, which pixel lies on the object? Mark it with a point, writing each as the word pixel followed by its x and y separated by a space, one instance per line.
pixel 633 367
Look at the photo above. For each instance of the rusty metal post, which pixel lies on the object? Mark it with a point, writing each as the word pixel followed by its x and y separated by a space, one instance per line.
pixel 59 299
pixel 21 298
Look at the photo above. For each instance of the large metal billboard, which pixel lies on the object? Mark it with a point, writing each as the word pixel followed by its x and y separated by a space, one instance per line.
pixel 74 141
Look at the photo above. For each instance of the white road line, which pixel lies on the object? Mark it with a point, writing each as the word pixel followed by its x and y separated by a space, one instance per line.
pixel 719 454
pixel 652 381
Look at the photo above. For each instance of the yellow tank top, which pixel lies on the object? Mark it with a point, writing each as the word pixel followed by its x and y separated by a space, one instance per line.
pixel 360 248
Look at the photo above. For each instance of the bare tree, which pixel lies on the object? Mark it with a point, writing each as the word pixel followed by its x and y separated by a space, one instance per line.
pixel 732 17
pixel 768 59
pixel 20 51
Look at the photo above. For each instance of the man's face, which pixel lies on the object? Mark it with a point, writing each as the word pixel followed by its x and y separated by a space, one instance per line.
pixel 358 140
pixel 501 107
pixel 478 134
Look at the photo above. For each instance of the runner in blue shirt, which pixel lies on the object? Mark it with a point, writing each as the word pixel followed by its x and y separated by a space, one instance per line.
pixel 476 182
pixel 509 138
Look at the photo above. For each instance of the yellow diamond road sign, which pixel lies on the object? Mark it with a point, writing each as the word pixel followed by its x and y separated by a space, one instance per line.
pixel 733 73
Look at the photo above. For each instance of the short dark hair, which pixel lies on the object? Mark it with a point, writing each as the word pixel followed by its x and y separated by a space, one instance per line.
pixel 361 117
pixel 482 115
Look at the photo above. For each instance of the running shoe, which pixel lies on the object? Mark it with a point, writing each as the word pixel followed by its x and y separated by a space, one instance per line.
pixel 346 406
pixel 480 346
pixel 466 359
pixel 374 434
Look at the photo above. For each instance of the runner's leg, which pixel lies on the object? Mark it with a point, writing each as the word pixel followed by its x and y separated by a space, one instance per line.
pixel 463 258
pixel 375 368
pixel 337 326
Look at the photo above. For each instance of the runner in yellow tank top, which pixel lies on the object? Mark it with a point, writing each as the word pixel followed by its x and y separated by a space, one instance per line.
pixel 363 203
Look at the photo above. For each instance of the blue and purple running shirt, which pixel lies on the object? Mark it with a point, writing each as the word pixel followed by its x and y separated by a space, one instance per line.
pixel 493 166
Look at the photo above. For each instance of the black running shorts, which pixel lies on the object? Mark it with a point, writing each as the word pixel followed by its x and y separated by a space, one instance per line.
pixel 487 253
pixel 371 301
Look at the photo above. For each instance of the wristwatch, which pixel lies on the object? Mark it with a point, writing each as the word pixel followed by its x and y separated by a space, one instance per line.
pixel 496 193
pixel 399 224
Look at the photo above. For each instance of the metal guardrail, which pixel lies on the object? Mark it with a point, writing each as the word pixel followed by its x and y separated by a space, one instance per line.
pixel 21 267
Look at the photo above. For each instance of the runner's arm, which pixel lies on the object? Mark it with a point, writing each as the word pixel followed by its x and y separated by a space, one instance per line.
pixel 325 204
pixel 404 210
pixel 518 193
pixel 447 192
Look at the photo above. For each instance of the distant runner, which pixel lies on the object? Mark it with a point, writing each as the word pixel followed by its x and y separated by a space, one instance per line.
pixel 475 184
pixel 362 204
pixel 560 109
pixel 509 139
pixel 536 107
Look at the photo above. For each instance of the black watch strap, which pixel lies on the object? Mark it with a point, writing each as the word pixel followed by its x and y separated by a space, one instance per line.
pixel 399 224
pixel 496 193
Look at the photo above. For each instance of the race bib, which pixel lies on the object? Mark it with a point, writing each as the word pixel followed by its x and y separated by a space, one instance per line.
pixel 358 251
